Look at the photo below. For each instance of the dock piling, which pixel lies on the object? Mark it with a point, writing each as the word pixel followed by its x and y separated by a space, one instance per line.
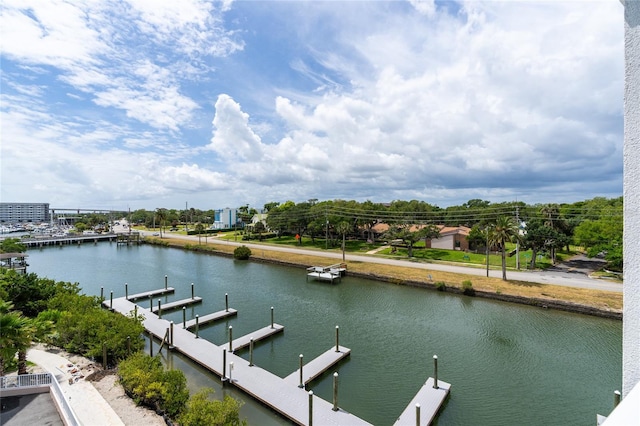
pixel 224 365
pixel 230 338
pixel 184 317
pixel 310 408
pixel 101 294
pixel 151 304
pixel 417 414
pixel 335 391
pixel 231 372
pixel 435 371
pixel 135 312
pixel 337 339
pixel 251 352
pixel 126 291
pixel 616 398
pixel 192 293
pixel 301 385
pixel 111 301
pixel 166 282
pixel 197 325
pixel 272 317
pixel 171 335
pixel 159 309
pixel 226 302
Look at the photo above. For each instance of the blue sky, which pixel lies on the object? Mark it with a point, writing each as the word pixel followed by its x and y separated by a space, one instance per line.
pixel 147 103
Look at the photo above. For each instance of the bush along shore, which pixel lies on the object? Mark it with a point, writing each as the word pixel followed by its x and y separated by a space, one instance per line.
pixel 604 304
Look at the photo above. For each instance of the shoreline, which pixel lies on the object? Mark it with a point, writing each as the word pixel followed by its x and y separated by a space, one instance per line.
pixel 543 301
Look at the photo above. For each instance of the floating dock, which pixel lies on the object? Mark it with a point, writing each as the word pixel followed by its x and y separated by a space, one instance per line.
pixel 206 319
pixel 289 401
pixel 177 304
pixel 317 366
pixel 430 400
pixel 261 334
pixel 152 293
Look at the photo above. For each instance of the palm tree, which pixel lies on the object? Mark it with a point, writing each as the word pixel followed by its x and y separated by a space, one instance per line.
pixel 162 216
pixel 343 228
pixel 15 336
pixel 199 229
pixel 503 230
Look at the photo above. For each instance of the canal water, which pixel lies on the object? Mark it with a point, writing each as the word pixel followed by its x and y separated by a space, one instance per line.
pixel 507 363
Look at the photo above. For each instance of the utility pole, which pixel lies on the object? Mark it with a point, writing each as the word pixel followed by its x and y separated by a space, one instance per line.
pixel 326 230
pixel 186 209
pixel 518 238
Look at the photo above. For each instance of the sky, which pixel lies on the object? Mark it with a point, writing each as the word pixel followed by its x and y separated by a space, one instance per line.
pixel 141 104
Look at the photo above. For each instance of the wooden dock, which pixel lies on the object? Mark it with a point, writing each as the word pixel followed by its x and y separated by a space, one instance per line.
pixel 289 401
pixel 261 334
pixel 152 293
pixel 206 319
pixel 177 304
pixel 430 401
pixel 317 366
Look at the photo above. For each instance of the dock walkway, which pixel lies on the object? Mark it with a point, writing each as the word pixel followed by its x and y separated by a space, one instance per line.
pixel 152 293
pixel 177 304
pixel 276 393
pixel 430 400
pixel 206 319
pixel 317 366
pixel 261 334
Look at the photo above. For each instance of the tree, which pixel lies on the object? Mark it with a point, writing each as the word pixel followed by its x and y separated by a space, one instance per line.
pixel 161 215
pixel 199 229
pixel 343 228
pixel 16 334
pixel 503 230
pixel 12 245
pixel 411 234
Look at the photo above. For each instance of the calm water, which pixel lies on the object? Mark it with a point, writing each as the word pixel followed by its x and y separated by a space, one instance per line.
pixel 508 364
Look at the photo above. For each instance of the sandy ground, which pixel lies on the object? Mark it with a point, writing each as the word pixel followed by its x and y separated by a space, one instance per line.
pixel 101 402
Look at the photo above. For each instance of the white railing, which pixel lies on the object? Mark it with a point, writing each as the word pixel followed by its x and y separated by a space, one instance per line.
pixel 40 380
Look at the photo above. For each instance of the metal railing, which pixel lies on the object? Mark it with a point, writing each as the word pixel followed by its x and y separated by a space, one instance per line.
pixel 26 380
pixel 40 380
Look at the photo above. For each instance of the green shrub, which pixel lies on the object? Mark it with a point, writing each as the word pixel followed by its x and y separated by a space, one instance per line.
pixel 441 286
pixel 242 253
pixel 203 411
pixel 467 288
pixel 144 378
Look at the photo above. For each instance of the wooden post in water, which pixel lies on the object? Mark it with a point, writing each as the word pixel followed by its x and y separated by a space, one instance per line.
pixel 171 335
pixel 197 325
pixel 616 398
pixel 251 352
pixel 231 372
pixel 126 291
pixel 166 282
pixel 226 302
pixel 159 309
pixel 230 338
pixel 184 317
pixel 192 293
pixel 111 301
pixel 150 304
pixel 417 414
pixel 337 339
pixel 272 317
pixel 150 345
pixel 310 408
pixel 301 385
pixel 335 391
pixel 435 371
pixel 101 294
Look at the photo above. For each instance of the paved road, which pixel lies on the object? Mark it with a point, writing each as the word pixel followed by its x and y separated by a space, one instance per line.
pixel 557 276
